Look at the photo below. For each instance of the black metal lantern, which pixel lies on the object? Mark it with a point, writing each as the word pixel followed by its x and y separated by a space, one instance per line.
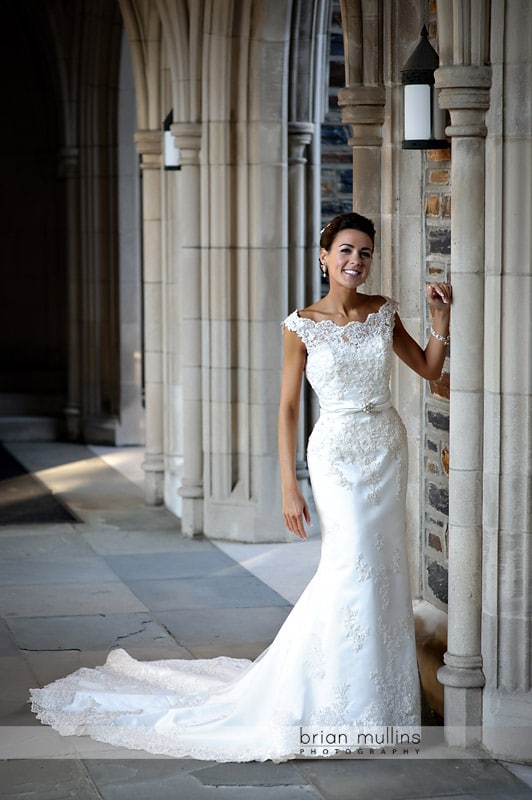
pixel 423 120
pixel 171 153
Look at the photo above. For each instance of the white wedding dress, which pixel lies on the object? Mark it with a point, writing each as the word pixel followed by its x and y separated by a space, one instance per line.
pixel 345 655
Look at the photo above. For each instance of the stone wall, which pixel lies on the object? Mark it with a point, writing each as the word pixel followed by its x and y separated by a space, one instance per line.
pixel 437 203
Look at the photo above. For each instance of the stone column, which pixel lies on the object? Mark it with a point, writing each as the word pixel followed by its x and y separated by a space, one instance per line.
pixel 149 148
pixel 507 565
pixel 465 92
pixel 299 136
pixel 363 109
pixel 188 139
pixel 69 169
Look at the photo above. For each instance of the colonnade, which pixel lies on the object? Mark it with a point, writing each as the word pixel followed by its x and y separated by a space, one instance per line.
pixel 226 255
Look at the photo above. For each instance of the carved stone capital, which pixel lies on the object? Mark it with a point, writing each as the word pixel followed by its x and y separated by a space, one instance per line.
pixel 187 137
pixel 299 136
pixel 465 92
pixel 303 130
pixel 362 104
pixel 363 109
pixel 191 489
pixel 149 147
pixel 458 76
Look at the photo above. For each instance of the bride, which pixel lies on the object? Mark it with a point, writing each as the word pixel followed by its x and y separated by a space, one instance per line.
pixel 345 659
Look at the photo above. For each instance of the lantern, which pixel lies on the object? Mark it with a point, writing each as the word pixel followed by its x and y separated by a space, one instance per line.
pixel 423 120
pixel 171 153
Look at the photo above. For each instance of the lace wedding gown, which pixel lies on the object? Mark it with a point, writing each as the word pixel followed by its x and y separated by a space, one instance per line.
pixel 345 655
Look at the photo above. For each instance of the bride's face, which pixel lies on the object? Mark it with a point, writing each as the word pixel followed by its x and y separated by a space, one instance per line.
pixel 349 258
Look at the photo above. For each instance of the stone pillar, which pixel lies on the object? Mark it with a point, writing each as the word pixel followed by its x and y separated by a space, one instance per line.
pixel 363 109
pixel 507 566
pixel 299 136
pixel 188 139
pixel 149 148
pixel 465 92
pixel 130 424
pixel 69 169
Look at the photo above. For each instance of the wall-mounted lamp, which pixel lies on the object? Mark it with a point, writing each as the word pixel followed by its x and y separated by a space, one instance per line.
pixel 171 153
pixel 423 120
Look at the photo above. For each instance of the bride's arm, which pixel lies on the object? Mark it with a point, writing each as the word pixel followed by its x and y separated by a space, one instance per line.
pixel 295 508
pixel 428 362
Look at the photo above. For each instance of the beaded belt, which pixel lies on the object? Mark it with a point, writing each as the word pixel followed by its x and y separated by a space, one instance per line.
pixel 368 407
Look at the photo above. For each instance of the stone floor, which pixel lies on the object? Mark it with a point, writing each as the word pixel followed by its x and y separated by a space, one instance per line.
pixel 123 575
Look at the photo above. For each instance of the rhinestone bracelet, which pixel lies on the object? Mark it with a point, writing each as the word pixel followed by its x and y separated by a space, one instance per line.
pixel 443 339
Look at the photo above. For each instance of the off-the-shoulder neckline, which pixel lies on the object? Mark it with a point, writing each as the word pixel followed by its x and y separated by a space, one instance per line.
pixel 387 302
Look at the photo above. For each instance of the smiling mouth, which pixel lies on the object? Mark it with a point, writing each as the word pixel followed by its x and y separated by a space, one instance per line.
pixel 352 272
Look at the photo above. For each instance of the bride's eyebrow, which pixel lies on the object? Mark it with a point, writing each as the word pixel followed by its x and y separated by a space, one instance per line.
pixel 352 246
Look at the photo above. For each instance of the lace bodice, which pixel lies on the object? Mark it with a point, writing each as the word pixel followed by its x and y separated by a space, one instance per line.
pixel 348 364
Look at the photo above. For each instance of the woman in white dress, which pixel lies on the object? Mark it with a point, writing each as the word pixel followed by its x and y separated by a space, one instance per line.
pixel 357 463
pixel 344 660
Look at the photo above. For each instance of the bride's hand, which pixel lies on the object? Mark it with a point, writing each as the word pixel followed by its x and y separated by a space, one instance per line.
pixel 439 295
pixel 295 510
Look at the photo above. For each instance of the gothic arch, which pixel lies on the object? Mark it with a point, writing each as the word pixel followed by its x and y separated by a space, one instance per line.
pixel 33 349
pixel 80 44
pixel 143 28
pixel 182 26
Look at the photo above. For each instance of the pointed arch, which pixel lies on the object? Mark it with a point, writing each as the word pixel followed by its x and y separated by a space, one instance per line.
pixel 182 35
pixel 143 28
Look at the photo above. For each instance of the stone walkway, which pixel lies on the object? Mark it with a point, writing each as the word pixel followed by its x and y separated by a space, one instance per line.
pixel 125 576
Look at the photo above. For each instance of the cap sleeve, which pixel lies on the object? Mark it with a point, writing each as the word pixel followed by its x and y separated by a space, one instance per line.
pixel 391 307
pixel 297 324
pixel 292 322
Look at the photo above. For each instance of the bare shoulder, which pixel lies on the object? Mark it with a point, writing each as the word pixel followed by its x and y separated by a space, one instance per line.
pixel 375 301
pixel 315 312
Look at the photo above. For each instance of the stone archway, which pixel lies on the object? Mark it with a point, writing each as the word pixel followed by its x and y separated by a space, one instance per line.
pixel 33 321
pixel 62 347
pixel 216 246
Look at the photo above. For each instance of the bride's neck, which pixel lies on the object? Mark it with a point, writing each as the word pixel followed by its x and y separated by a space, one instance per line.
pixel 344 301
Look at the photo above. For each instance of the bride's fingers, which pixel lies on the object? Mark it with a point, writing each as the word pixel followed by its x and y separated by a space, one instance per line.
pixel 294 523
pixel 301 532
pixel 298 528
pixel 439 291
pixel 436 292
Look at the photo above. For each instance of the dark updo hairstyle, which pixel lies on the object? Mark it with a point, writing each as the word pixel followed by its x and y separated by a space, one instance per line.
pixel 342 222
